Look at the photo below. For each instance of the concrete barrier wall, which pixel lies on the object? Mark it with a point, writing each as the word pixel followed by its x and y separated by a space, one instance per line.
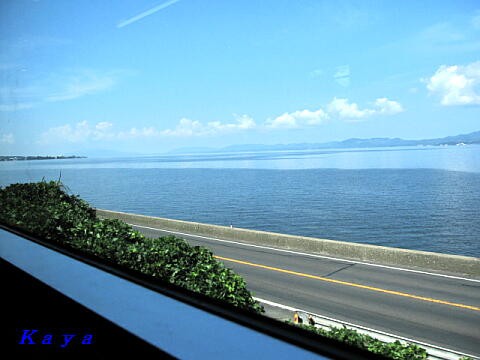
pixel 422 260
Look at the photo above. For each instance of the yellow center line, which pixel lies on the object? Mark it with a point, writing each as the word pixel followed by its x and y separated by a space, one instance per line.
pixel 398 293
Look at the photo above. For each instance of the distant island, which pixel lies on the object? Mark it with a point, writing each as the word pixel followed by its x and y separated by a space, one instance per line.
pixel 465 139
pixel 20 158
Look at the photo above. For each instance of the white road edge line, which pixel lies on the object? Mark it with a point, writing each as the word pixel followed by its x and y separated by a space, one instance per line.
pixel 311 255
pixel 286 307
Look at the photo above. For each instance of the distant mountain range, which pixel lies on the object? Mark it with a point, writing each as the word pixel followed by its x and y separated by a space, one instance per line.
pixel 472 138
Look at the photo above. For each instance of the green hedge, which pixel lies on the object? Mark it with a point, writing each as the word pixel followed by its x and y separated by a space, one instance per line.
pixel 45 209
pixel 395 350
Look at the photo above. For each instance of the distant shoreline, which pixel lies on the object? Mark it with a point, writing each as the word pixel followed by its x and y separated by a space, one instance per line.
pixel 22 158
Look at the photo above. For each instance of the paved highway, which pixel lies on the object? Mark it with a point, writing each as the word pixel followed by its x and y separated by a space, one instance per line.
pixel 439 310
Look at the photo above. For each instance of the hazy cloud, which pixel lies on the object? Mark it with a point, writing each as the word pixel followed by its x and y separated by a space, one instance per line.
pixel 476 20
pixel 83 83
pixel 16 106
pixel 456 84
pixel 455 36
pixel 78 133
pixel 66 133
pixel 7 139
pixel 342 75
pixel 316 73
pixel 348 15
pixel 59 87
pixel 442 33
pixel 21 46
pixel 146 13
pixel 8 66
pixel 448 37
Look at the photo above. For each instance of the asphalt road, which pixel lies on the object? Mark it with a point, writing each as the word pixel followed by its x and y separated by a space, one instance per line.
pixel 438 310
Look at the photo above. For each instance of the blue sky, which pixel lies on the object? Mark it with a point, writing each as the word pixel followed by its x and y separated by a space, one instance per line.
pixel 149 76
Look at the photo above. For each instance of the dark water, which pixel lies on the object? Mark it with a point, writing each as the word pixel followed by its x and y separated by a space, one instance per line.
pixel 414 208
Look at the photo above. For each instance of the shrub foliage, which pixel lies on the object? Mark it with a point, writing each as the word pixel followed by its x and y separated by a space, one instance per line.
pixel 395 350
pixel 46 210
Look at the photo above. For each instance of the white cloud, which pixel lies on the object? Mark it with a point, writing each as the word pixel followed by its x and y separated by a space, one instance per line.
pixel 297 119
pixel 456 85
pixel 342 75
pixel 310 117
pixel 84 132
pixel 343 109
pixel 145 132
pixel 350 111
pixel 104 125
pixel 245 122
pixel 7 139
pixel 185 127
pixel 102 131
pixel 340 108
pixel 188 127
pixel 387 107
pixel 285 120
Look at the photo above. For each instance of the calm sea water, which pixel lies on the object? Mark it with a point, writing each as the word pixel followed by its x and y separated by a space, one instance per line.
pixel 414 198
